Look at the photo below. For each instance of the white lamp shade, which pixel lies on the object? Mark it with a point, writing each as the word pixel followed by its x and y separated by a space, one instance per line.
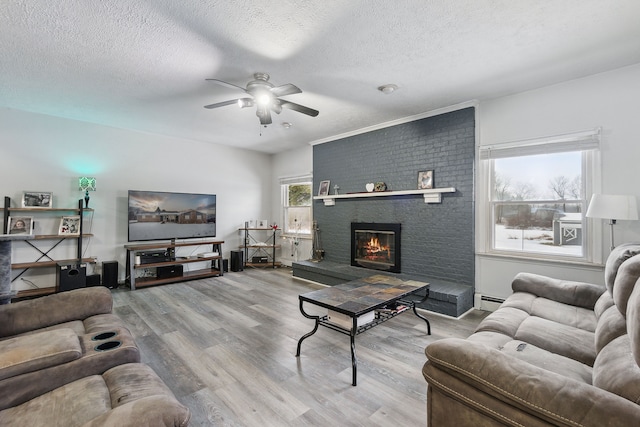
pixel 613 206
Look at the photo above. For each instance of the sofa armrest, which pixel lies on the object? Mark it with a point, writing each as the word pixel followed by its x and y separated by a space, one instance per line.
pixel 580 294
pixel 79 304
pixel 524 387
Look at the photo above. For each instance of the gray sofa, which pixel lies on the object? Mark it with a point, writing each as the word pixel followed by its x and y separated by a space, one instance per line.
pixel 555 353
pixel 48 342
pixel 67 360
pixel 129 395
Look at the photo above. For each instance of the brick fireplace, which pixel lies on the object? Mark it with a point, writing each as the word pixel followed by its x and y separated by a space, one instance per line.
pixel 376 246
pixel 437 239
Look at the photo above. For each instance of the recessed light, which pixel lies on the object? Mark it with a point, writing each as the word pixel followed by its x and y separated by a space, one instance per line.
pixel 387 89
pixel 286 125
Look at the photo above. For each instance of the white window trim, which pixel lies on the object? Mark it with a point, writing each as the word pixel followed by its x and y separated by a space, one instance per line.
pixel 298 179
pixel 587 141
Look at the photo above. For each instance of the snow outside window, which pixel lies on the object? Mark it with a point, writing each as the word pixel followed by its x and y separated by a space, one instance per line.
pixel 537 196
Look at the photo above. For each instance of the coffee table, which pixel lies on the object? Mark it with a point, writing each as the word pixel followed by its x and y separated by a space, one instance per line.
pixel 385 296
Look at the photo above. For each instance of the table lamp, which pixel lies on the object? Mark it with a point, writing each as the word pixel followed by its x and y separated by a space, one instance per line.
pixel 86 184
pixel 613 207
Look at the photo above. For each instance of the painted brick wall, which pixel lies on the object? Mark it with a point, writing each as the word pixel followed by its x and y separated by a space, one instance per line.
pixel 437 239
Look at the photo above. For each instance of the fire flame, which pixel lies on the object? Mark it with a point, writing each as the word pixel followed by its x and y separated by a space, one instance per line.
pixel 374 247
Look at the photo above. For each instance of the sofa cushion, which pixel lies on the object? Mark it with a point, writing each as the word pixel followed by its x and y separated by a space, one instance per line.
pixel 33 352
pixel 544 359
pixel 76 325
pixel 611 325
pixel 30 315
pixel 616 371
pixel 569 292
pixel 557 338
pixel 633 322
pixel 625 281
pixel 127 395
pixel 565 314
pixel 604 302
pixel 506 320
pixel 618 255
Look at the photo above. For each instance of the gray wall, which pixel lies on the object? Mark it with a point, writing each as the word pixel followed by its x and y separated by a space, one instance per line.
pixel 437 239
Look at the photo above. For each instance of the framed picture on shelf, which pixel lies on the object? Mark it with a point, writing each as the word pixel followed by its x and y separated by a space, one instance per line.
pixel 69 226
pixel 425 180
pixel 37 199
pixel 323 190
pixel 251 223
pixel 263 223
pixel 20 225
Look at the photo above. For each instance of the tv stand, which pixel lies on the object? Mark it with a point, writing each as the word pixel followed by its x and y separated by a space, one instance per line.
pixel 216 268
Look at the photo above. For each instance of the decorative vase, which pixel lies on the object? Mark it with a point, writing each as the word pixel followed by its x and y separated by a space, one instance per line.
pixel 370 186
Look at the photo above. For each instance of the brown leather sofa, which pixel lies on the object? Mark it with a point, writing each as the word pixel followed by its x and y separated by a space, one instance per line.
pixel 48 342
pixel 129 395
pixel 67 360
pixel 556 353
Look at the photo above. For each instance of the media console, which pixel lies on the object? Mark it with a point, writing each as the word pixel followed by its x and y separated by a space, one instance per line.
pixel 170 268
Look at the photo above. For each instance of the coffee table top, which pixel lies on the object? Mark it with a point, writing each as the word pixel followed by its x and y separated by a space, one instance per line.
pixel 361 296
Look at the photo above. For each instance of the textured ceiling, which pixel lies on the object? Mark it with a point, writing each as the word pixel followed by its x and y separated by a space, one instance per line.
pixel 142 65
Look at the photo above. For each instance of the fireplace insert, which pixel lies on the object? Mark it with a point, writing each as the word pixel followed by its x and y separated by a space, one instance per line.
pixel 376 246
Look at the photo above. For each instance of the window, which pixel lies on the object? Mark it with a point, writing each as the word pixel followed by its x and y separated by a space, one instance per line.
pixel 537 195
pixel 296 203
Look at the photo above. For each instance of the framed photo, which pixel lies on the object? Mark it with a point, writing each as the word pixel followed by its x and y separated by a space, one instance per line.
pixel 20 225
pixel 425 180
pixel 69 226
pixel 37 199
pixel 323 190
pixel 263 223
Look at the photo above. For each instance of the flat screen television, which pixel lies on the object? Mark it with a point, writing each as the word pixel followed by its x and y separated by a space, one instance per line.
pixel 158 215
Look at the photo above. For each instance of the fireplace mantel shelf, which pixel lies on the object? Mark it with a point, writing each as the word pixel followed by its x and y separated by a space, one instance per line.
pixel 432 195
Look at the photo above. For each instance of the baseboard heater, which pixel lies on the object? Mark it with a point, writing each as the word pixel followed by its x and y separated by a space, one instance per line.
pixel 492 299
pixel 484 302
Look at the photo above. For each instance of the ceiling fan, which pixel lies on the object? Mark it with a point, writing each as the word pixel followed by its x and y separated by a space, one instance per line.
pixel 265 97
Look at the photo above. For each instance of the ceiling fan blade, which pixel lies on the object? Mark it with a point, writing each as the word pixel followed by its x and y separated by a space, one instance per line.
pixel 221 104
pixel 299 108
pixel 225 84
pixel 276 106
pixel 287 89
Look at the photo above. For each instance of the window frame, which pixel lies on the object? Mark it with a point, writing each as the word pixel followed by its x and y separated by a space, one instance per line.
pixel 588 143
pixel 284 205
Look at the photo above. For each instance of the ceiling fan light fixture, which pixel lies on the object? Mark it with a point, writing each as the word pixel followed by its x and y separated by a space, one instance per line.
pixel 264 99
pixel 387 89
pixel 245 102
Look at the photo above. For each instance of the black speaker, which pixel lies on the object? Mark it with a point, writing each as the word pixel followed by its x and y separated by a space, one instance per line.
pixel 236 261
pixel 70 276
pixel 93 280
pixel 110 274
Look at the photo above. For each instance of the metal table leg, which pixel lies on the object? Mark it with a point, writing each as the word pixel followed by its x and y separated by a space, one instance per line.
pixel 412 304
pixel 354 361
pixel 313 331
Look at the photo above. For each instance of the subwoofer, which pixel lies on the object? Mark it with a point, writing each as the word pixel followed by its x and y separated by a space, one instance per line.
pixel 110 274
pixel 70 276
pixel 236 261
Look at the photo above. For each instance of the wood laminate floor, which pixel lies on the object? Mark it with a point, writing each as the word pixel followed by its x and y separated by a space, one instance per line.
pixel 226 348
